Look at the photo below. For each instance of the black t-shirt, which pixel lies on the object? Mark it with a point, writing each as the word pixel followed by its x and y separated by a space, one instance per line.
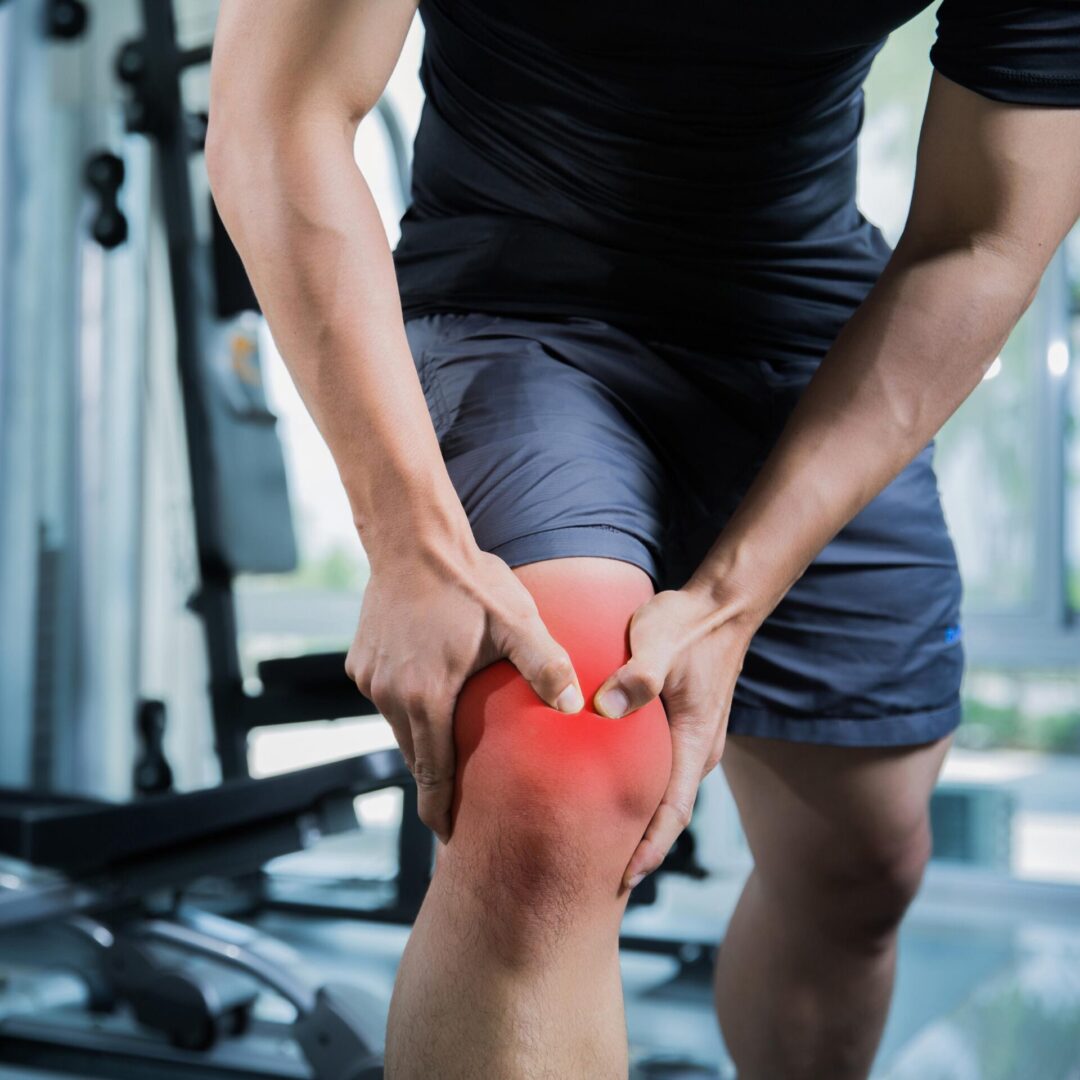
pixel 684 170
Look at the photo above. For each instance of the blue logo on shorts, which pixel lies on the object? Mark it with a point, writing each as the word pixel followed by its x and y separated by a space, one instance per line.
pixel 952 633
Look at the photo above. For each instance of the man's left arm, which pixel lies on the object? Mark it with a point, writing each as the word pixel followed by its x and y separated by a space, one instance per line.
pixel 997 188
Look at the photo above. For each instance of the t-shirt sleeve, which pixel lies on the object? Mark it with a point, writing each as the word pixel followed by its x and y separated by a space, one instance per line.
pixel 1022 53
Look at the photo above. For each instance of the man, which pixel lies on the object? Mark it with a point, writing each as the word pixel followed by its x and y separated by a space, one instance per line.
pixel 647 404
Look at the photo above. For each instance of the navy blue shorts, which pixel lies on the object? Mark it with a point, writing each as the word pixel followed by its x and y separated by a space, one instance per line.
pixel 569 437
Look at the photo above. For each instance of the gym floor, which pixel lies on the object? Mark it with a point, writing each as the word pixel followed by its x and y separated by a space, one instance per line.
pixel 988 987
pixel 989 974
pixel 992 995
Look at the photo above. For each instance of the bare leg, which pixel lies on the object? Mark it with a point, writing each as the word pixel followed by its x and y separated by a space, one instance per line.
pixel 512 969
pixel 840 838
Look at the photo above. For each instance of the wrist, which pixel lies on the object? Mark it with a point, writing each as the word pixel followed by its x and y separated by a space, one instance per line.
pixel 728 585
pixel 416 515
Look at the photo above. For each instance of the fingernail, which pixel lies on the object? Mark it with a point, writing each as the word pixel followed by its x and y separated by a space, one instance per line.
pixel 570 700
pixel 636 880
pixel 613 703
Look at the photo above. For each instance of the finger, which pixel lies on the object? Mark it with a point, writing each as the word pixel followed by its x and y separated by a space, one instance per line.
pixel 398 721
pixel 716 752
pixel 636 683
pixel 546 666
pixel 691 741
pixel 433 763
pixel 399 725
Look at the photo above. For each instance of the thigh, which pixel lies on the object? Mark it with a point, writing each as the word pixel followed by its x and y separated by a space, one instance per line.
pixel 865 649
pixel 833 813
pixel 536 423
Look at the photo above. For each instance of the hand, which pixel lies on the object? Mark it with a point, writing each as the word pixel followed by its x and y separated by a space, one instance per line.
pixel 685 650
pixel 430 619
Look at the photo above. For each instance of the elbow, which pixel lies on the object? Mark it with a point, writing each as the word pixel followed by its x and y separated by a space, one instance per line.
pixel 219 155
pixel 236 148
pixel 997 279
pixel 250 155
pixel 1012 270
pixel 213 151
pixel 1005 269
pixel 236 171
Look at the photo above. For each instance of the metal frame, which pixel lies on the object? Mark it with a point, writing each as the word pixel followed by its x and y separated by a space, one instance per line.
pixel 153 67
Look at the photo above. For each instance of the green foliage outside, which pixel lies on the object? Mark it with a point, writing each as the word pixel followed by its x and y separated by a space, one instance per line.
pixel 1017 1034
pixel 991 725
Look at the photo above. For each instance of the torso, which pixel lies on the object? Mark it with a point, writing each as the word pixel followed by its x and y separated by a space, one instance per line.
pixel 711 153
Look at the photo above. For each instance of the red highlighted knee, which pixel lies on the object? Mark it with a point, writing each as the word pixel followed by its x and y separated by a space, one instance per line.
pixel 547 799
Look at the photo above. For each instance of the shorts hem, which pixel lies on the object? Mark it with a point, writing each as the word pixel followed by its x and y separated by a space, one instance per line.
pixel 578 541
pixel 904 729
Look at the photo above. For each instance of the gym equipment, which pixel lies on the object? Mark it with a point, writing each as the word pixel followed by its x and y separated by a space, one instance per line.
pixel 153 774
pixel 104 177
pixel 150 985
pixel 162 988
pixel 242 513
pixel 65 20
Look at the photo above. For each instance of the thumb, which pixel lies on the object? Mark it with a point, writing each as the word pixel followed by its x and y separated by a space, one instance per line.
pixel 636 683
pixel 546 666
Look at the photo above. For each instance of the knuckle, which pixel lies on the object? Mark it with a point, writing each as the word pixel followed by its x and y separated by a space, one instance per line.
pixel 414 701
pixel 520 613
pixel 379 691
pixel 509 616
pixel 683 809
pixel 358 673
pixel 426 774
pixel 556 669
pixel 646 680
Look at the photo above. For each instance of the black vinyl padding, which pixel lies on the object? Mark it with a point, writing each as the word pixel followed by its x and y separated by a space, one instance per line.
pixel 81 835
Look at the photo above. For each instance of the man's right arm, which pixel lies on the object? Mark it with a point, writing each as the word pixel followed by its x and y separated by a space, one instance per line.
pixel 290 81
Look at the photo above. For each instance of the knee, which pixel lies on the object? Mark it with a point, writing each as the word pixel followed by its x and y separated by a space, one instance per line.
pixel 549 807
pixel 865 887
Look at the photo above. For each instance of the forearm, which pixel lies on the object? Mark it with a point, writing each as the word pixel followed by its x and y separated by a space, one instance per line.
pixel 307 229
pixel 915 349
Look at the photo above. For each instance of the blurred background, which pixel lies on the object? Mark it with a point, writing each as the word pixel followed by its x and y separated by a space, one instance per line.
pixel 121 313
